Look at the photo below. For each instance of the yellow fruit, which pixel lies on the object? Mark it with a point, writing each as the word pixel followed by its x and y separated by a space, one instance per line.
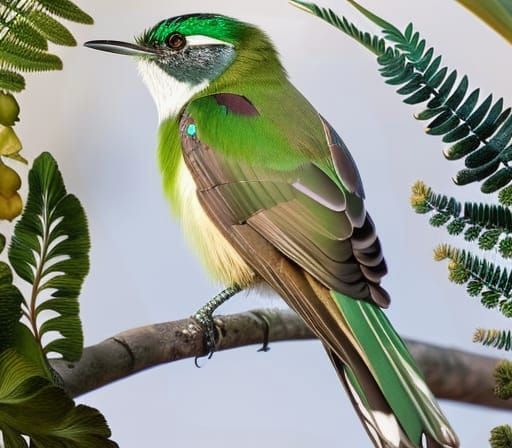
pixel 9 109
pixel 10 208
pixel 10 181
pixel 9 142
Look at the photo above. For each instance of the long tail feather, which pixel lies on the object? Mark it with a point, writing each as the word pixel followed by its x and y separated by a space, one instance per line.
pixel 413 417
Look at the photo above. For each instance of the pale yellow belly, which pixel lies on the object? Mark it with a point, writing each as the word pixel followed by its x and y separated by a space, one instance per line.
pixel 219 257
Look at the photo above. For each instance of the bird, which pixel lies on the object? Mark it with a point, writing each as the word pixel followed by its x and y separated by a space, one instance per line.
pixel 269 195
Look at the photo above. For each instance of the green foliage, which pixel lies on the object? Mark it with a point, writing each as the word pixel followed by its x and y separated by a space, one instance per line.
pixel 10 304
pixel 505 196
pixel 501 437
pixel 503 377
pixel 50 250
pixel 496 13
pixel 33 407
pixel 480 132
pixel 490 224
pixel 26 27
pixel 492 283
pixel 500 339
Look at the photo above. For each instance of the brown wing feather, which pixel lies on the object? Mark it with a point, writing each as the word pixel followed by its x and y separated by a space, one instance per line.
pixel 303 213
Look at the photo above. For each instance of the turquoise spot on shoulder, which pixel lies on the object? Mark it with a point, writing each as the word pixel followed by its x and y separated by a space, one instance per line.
pixel 192 130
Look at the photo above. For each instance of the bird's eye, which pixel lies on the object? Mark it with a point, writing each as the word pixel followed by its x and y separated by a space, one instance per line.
pixel 176 41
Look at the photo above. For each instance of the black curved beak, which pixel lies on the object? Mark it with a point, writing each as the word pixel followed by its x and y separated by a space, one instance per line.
pixel 124 48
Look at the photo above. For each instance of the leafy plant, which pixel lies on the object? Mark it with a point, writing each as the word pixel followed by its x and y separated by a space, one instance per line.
pixel 10 304
pixel 499 339
pixel 491 283
pixel 31 406
pixel 488 224
pixel 26 27
pixel 478 131
pixel 49 250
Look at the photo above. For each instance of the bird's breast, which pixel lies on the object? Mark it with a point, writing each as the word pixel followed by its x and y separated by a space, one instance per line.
pixel 218 255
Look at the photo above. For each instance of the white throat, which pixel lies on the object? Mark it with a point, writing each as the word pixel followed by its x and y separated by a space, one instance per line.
pixel 169 94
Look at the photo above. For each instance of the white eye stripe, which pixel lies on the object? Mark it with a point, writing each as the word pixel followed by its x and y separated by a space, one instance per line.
pixel 198 40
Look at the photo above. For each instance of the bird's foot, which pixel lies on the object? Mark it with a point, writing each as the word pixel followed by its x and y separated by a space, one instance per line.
pixel 204 317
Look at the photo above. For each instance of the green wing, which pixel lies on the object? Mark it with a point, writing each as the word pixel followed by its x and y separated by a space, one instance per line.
pixel 297 186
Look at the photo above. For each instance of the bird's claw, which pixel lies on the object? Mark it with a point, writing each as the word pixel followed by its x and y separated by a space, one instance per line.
pixel 205 320
pixel 204 317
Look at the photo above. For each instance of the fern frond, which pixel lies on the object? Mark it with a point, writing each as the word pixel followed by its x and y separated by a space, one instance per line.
pixel 51 29
pixel 11 81
pixel 373 43
pixel 24 32
pixel 26 26
pixel 23 58
pixel 50 250
pixel 482 134
pixel 505 196
pixel 490 224
pixel 66 10
pixel 500 339
pixel 490 282
pixel 479 132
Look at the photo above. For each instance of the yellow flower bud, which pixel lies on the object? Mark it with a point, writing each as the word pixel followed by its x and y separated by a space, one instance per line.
pixel 9 109
pixel 11 203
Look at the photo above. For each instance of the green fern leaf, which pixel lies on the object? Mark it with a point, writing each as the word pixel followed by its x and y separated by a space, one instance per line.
pixel 484 278
pixel 505 196
pixel 474 288
pixel 481 133
pixel 499 339
pixel 456 227
pixel 54 227
pixel 51 29
pixel 472 233
pixel 31 406
pixel 439 219
pixel 489 239
pixel 11 81
pixel 67 10
pixel 506 247
pixel 10 304
pixel 490 299
pixel 25 29
pixel 21 30
pixel 27 59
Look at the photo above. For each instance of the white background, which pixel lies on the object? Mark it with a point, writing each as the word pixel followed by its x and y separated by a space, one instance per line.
pixel 98 120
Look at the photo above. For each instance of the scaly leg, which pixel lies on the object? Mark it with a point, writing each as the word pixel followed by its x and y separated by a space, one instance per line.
pixel 205 316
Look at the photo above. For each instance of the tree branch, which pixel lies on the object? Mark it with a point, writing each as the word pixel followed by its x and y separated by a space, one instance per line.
pixel 451 374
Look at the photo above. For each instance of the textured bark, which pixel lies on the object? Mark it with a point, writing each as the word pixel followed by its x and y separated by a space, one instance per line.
pixel 451 374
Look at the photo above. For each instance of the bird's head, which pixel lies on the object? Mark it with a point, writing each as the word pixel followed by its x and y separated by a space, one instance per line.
pixel 185 55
